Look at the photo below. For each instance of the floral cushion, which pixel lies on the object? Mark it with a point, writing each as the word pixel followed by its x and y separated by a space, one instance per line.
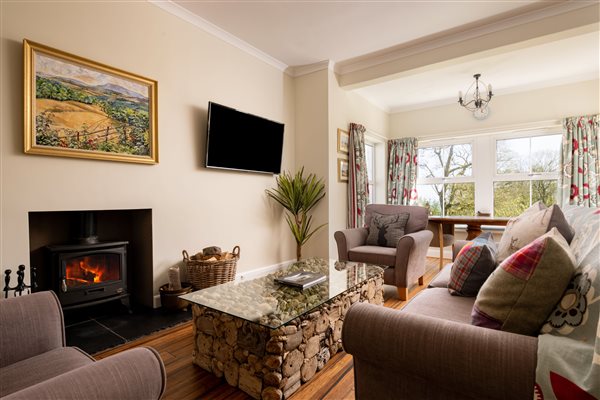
pixel 523 290
pixel 386 229
pixel 533 223
pixel 569 346
pixel 472 266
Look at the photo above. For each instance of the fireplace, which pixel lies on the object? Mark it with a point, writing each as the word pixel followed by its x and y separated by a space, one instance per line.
pixel 86 274
pixel 88 271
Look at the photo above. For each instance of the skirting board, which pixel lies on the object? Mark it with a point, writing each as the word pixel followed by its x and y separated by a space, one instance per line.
pixel 245 276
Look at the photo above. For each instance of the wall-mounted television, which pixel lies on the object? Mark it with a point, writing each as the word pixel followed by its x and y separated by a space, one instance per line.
pixel 241 141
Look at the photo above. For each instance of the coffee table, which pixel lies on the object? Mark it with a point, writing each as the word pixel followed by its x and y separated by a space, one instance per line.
pixel 268 339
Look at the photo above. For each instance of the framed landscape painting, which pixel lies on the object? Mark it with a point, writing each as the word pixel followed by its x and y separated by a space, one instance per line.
pixel 76 107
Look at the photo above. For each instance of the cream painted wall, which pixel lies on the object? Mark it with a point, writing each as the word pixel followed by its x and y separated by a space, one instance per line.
pixel 192 207
pixel 347 107
pixel 547 104
pixel 312 148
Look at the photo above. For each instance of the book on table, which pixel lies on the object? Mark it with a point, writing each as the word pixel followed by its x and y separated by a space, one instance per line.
pixel 302 279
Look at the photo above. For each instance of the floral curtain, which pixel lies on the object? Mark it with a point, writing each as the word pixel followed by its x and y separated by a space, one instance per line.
pixel 358 184
pixel 580 162
pixel 402 171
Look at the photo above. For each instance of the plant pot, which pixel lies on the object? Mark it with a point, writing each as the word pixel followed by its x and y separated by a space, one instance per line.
pixel 170 298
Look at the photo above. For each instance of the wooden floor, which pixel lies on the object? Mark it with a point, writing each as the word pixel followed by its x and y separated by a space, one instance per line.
pixel 187 381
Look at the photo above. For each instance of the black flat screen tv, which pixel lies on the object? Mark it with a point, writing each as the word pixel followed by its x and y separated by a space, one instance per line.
pixel 241 141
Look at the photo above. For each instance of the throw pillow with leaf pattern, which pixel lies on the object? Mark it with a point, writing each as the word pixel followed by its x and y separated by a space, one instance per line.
pixel 569 344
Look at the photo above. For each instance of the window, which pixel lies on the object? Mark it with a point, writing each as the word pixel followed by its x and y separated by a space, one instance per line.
pixel 370 158
pixel 500 174
pixel 526 172
pixel 445 181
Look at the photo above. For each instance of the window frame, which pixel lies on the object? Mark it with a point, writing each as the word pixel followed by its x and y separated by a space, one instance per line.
pixel 448 180
pixel 371 181
pixel 484 158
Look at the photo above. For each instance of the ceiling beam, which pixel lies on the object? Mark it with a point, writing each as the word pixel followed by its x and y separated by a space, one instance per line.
pixel 508 33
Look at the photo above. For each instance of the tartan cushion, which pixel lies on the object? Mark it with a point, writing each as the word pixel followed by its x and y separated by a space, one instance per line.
pixel 386 229
pixel 472 266
pixel 524 289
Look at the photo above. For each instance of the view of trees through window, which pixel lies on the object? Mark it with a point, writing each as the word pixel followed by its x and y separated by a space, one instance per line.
pixel 527 171
pixel 370 159
pixel 512 173
pixel 444 175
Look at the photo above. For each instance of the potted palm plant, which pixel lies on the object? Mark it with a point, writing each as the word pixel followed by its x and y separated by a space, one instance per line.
pixel 298 195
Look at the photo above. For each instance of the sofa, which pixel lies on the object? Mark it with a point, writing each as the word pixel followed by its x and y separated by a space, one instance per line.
pixel 430 349
pixel 405 261
pixel 36 364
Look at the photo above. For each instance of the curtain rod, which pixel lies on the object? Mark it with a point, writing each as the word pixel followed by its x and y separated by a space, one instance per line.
pixel 549 124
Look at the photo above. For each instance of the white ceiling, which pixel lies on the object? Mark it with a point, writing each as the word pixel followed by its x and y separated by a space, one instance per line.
pixel 564 61
pixel 295 33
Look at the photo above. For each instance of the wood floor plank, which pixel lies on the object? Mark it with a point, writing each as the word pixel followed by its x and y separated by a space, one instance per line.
pixel 186 381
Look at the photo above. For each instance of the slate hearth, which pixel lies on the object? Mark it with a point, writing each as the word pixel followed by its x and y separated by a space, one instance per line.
pixel 103 326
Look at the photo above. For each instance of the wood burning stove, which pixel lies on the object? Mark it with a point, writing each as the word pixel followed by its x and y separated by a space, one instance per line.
pixel 89 272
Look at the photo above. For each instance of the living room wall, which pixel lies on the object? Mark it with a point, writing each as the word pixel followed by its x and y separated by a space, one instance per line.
pixel 192 207
pixel 531 107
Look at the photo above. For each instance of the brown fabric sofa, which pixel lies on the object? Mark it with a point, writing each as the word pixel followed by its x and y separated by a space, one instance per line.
pixel 406 261
pixel 429 350
pixel 35 364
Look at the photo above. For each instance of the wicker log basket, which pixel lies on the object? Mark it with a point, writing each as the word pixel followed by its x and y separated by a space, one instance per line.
pixel 204 271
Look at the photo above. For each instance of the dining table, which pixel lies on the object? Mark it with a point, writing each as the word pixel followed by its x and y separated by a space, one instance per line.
pixel 473 223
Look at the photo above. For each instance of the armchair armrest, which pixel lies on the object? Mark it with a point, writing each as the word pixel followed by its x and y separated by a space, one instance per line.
pixel 30 325
pixel 349 238
pixel 411 254
pixel 134 374
pixel 404 355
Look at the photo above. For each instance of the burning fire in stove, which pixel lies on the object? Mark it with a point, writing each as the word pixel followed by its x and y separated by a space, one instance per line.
pixel 89 270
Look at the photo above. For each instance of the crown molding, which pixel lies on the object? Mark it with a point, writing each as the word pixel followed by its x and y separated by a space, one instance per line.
pixel 188 16
pixel 300 70
pixel 511 19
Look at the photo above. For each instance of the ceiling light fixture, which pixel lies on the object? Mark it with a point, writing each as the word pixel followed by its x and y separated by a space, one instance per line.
pixel 473 100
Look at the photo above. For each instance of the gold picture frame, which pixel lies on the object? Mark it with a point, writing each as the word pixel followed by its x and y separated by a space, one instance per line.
pixel 343 166
pixel 343 139
pixel 75 107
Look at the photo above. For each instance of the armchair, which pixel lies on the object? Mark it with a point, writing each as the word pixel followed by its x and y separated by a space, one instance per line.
pixel 406 261
pixel 36 364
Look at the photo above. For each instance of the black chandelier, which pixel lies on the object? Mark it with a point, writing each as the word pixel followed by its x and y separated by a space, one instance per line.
pixel 473 100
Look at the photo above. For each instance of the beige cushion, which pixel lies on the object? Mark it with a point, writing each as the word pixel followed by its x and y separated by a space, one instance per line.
pixel 533 223
pixel 373 255
pixel 442 278
pixel 523 290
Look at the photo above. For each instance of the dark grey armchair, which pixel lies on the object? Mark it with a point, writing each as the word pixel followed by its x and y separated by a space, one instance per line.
pixel 406 261
pixel 35 364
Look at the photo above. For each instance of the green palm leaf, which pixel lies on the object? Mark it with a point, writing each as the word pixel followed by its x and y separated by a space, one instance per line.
pixel 298 195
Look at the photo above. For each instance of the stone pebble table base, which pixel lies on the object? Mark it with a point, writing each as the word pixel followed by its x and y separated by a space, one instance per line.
pixel 268 363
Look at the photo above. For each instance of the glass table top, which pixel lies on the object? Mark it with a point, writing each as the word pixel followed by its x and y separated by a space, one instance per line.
pixel 268 303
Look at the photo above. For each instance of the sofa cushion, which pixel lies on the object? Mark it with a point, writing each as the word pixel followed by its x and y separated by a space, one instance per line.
pixel 386 230
pixel 531 224
pixel 39 368
pixel 442 278
pixel 374 255
pixel 523 290
pixel 472 266
pixel 436 302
